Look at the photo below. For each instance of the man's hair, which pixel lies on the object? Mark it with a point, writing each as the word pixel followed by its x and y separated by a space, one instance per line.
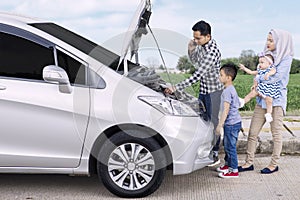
pixel 203 27
pixel 229 70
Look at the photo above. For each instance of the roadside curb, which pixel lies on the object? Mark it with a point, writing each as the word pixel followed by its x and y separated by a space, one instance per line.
pixel 265 145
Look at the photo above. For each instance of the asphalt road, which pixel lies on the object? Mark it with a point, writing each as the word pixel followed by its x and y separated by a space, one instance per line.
pixel 202 184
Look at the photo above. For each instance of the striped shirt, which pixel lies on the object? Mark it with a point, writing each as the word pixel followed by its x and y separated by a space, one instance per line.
pixel 206 60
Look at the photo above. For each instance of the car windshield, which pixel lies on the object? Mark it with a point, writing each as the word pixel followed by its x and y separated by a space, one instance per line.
pixel 97 52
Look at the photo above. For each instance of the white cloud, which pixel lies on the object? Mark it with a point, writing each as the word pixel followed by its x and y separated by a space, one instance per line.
pixel 73 8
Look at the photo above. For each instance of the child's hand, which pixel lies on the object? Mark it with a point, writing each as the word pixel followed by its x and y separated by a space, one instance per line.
pixel 266 77
pixel 242 67
pixel 272 71
pixel 218 129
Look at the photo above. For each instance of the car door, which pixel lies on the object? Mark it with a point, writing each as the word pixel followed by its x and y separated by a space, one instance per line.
pixel 40 126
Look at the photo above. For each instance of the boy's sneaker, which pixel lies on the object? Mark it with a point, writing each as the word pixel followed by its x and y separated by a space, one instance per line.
pixel 268 117
pixel 223 169
pixel 229 175
pixel 216 160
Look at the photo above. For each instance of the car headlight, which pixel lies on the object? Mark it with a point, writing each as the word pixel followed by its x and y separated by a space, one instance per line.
pixel 169 106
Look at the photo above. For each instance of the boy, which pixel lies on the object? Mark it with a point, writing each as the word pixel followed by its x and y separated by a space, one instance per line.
pixel 230 121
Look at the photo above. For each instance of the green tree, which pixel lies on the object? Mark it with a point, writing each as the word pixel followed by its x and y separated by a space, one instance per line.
pixel 249 59
pixel 234 61
pixel 295 68
pixel 185 65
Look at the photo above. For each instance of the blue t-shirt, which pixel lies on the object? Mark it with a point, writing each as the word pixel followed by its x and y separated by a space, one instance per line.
pixel 230 95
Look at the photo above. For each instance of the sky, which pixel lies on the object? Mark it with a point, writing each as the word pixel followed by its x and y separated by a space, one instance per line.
pixel 236 25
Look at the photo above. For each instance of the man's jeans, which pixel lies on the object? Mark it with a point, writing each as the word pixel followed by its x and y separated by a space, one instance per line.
pixel 212 105
pixel 231 133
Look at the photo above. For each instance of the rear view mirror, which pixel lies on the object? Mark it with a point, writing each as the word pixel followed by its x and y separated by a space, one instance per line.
pixel 55 74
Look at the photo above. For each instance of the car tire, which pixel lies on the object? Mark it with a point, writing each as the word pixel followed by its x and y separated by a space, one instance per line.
pixel 131 165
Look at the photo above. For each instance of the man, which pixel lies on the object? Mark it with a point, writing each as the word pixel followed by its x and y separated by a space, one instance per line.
pixel 205 56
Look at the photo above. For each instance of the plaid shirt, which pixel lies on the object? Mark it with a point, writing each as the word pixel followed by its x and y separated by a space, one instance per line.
pixel 206 59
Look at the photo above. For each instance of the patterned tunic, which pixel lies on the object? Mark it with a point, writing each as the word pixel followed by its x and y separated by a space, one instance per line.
pixel 267 89
pixel 206 59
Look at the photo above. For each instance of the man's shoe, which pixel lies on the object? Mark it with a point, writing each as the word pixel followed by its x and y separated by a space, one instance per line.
pixel 268 171
pixel 223 169
pixel 250 168
pixel 229 175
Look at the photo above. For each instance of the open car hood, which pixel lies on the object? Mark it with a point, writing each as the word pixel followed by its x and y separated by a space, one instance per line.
pixel 135 32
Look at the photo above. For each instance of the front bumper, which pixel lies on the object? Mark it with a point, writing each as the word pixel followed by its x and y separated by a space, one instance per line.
pixel 190 141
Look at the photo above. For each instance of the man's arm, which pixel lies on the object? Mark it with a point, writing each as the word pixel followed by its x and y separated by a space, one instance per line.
pixel 193 51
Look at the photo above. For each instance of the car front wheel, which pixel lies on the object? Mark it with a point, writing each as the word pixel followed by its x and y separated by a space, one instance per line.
pixel 131 166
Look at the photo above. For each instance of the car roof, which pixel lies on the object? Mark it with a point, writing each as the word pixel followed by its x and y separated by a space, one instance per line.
pixel 18 18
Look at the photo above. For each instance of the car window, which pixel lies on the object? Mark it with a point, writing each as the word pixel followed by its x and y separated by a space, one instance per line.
pixel 22 58
pixel 25 59
pixel 75 69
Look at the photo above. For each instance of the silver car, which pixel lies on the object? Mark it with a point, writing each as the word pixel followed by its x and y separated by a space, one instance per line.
pixel 70 106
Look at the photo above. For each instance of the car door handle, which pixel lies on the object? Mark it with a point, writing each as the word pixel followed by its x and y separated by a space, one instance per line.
pixel 2 87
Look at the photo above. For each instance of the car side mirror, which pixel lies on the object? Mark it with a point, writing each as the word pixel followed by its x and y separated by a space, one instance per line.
pixel 55 74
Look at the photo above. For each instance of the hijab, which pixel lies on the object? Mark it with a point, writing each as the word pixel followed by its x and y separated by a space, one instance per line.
pixel 283 45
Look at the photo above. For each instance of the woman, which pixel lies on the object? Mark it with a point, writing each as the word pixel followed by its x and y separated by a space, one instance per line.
pixel 279 44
